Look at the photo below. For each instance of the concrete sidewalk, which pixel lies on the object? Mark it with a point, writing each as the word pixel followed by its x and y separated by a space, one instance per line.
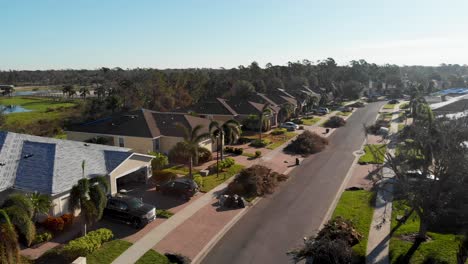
pixel 379 234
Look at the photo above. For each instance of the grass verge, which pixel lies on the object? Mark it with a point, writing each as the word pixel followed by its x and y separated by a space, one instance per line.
pixel 389 106
pixel 374 154
pixel 356 206
pixel 442 248
pixel 108 252
pixel 343 113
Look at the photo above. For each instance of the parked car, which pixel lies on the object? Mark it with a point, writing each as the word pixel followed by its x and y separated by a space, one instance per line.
pixel 345 109
pixel 323 110
pixel 181 187
pixel 290 126
pixel 394 101
pixel 130 210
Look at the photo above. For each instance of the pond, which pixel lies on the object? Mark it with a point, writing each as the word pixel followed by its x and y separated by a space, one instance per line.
pixel 9 109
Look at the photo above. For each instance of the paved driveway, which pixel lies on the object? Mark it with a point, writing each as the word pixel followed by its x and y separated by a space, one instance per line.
pixel 279 222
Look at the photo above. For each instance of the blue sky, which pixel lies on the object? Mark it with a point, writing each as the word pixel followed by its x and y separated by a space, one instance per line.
pixel 58 34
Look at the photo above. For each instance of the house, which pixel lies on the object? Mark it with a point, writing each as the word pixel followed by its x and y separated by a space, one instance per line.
pixel 141 130
pixel 52 166
pixel 236 108
pixel 452 108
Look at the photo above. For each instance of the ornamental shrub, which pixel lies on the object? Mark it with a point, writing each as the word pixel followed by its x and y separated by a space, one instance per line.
pixel 258 154
pixel 278 131
pixel 67 220
pixel 199 180
pixel 238 151
pixel 226 163
pixel 204 155
pixel 54 224
pixel 43 237
pixel 257 143
pixel 87 244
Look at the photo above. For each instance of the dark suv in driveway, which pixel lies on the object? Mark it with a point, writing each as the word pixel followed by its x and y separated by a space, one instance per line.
pixel 184 188
pixel 129 210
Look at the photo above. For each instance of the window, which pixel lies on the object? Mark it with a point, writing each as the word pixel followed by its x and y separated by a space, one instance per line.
pixel 121 142
pixel 156 144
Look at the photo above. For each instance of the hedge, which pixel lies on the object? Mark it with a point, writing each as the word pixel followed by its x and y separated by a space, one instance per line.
pixel 87 244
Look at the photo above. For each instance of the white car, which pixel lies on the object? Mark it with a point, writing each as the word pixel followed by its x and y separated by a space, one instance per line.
pixel 290 126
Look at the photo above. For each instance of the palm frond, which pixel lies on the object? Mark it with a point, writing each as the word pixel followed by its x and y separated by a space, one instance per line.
pixel 103 183
pixel 186 131
pixel 195 132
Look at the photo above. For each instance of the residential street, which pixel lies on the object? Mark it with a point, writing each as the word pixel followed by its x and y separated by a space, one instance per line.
pixel 279 222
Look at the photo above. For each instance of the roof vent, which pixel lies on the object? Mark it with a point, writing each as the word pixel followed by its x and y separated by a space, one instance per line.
pixel 27 156
pixel 86 144
pixel 2 164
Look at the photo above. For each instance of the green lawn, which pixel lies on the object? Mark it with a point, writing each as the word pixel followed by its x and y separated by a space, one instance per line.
pixel 374 154
pixel 310 121
pixel 356 206
pixel 211 181
pixel 179 169
pixel 108 252
pixel 41 108
pixel 112 249
pixel 441 247
pixel 279 140
pixel 389 106
pixel 276 140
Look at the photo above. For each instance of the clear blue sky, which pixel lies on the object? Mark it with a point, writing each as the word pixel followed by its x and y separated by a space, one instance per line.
pixel 57 34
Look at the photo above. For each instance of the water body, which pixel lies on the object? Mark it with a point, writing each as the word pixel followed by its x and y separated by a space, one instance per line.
pixel 9 109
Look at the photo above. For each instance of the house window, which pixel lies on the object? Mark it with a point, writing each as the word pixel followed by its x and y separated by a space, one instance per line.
pixel 156 145
pixel 121 142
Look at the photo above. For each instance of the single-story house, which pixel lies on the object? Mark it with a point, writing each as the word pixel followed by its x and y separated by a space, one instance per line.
pixel 452 108
pixel 52 166
pixel 141 130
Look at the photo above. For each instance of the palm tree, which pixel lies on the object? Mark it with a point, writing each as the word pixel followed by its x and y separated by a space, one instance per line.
pixel 89 196
pixel 68 90
pixel 225 133
pixel 84 91
pixel 285 112
pixel 20 210
pixel 100 91
pixel 41 203
pixel 192 139
pixel 266 111
pixel 9 248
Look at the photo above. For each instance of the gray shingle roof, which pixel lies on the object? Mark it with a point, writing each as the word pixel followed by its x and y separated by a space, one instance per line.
pixel 52 166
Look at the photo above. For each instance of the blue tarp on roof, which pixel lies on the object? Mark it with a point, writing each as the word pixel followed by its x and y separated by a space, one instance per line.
pixel 36 167
pixel 114 159
pixel 3 135
pixel 459 91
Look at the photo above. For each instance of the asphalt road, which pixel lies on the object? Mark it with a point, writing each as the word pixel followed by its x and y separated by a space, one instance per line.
pixel 279 222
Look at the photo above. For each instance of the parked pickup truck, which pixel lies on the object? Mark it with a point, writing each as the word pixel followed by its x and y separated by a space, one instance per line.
pixel 129 210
